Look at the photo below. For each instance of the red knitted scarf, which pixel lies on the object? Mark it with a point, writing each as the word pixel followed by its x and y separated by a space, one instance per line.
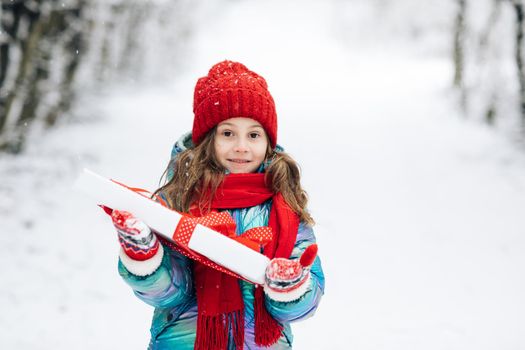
pixel 219 297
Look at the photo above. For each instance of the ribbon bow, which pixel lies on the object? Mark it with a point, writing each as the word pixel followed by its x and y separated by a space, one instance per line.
pixel 222 222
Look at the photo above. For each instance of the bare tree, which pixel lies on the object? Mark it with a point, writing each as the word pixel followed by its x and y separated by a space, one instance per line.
pixel 49 48
pixel 459 50
pixel 38 64
pixel 518 38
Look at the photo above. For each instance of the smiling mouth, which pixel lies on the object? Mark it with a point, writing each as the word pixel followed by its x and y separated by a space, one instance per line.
pixel 239 161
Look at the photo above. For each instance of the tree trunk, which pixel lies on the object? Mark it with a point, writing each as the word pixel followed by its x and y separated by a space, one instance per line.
pixel 519 11
pixel 459 51
pixel 486 59
pixel 459 33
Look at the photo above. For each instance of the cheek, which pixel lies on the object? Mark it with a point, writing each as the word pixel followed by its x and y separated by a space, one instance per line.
pixel 220 148
pixel 261 151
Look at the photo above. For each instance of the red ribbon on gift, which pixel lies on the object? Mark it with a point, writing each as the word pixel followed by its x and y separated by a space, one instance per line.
pixel 143 193
pixel 222 222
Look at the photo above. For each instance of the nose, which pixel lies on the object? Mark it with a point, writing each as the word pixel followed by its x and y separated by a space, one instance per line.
pixel 241 145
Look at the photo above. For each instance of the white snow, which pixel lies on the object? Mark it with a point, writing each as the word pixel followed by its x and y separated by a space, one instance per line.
pixel 419 212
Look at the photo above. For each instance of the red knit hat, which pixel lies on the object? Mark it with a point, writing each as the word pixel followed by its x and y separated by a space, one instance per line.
pixel 231 90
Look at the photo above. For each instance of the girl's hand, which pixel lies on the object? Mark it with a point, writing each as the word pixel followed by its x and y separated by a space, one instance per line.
pixel 135 237
pixel 288 280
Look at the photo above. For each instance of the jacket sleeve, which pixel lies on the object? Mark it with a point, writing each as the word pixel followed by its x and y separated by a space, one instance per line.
pixel 305 306
pixel 169 284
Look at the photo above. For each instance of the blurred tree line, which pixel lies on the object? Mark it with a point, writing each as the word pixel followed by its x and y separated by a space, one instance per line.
pixel 51 48
pixel 488 58
pixel 482 39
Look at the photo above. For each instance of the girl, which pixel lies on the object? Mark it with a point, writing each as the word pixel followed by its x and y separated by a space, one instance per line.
pixel 229 162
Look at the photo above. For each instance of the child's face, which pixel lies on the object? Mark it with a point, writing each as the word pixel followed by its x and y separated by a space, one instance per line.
pixel 240 145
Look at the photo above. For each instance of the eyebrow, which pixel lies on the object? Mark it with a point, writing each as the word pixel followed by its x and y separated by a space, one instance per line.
pixel 251 126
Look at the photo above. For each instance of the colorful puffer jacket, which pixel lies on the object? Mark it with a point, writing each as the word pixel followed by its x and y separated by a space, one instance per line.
pixel 169 287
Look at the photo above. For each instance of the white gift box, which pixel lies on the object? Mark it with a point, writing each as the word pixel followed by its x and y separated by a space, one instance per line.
pixel 215 246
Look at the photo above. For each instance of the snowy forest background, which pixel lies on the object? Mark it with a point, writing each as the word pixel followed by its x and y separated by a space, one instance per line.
pixel 55 51
pixel 407 117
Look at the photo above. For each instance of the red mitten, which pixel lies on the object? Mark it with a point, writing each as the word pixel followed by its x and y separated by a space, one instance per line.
pixel 287 280
pixel 135 237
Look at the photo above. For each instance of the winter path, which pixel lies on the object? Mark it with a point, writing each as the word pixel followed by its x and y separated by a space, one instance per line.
pixel 419 213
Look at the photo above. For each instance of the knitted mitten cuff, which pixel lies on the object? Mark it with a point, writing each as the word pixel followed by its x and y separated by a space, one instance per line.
pixel 144 267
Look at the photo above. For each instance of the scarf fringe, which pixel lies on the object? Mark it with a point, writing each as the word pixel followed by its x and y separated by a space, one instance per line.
pixel 212 331
pixel 237 327
pixel 267 329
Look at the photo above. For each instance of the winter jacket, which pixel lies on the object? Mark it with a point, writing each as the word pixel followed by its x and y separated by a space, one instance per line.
pixel 169 286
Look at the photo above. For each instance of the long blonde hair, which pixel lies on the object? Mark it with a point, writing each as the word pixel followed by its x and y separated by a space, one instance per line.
pixel 197 168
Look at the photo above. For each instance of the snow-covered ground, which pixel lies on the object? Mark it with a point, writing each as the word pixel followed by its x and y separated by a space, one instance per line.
pixel 419 212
